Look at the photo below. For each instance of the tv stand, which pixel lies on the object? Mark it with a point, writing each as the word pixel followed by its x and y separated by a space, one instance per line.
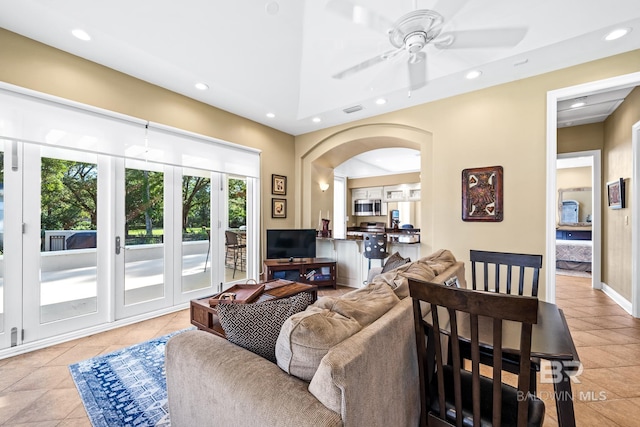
pixel 314 271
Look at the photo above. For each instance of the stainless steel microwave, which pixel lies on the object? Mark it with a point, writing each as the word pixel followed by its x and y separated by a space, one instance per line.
pixel 363 207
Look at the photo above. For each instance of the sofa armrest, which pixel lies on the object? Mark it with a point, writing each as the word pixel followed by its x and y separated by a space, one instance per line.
pixel 211 381
pixel 372 376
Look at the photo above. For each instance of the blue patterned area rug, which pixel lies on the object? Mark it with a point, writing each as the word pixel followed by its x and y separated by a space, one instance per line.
pixel 127 387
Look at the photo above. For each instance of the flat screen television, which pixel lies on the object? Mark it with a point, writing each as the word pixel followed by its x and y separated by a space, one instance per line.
pixel 290 244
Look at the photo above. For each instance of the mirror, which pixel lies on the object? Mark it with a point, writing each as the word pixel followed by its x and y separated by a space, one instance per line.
pixel 574 206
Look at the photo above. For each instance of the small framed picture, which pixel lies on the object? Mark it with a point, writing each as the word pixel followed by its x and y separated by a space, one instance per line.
pixel 615 194
pixel 278 208
pixel 279 185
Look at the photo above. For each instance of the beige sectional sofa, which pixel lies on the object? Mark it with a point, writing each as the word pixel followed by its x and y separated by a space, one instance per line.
pixel 330 371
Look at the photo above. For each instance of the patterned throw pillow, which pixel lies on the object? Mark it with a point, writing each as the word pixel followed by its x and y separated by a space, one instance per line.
pixel 394 261
pixel 256 326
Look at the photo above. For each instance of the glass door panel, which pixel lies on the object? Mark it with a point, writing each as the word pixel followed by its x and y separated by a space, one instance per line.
pixel 235 253
pixel 62 290
pixel 144 235
pixel 68 236
pixel 196 231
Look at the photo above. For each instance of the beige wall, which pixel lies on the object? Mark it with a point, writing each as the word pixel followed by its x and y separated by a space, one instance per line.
pixel 503 125
pixel 617 163
pixel 39 67
pixel 581 138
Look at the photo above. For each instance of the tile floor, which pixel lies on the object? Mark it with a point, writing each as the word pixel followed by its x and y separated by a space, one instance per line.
pixel 36 389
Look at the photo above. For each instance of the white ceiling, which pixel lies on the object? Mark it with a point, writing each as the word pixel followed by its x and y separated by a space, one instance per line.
pixel 260 56
pixel 383 161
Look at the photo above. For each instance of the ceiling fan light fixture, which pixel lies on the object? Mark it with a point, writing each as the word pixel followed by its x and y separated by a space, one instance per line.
pixel 416 28
pixel 617 33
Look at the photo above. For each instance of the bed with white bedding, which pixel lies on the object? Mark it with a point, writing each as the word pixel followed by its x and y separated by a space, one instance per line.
pixel 574 254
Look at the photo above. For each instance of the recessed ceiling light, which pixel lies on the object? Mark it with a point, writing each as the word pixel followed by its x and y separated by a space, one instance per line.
pixel 201 86
pixel 617 33
pixel 381 101
pixel 474 74
pixel 579 102
pixel 271 115
pixel 272 8
pixel 316 120
pixel 81 34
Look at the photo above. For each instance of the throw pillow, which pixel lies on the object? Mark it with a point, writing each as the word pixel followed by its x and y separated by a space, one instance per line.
pixel 394 261
pixel 305 338
pixel 256 326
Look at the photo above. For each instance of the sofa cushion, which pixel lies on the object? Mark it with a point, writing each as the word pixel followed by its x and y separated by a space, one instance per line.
pixel 365 304
pixel 306 337
pixel 426 268
pixel 256 326
pixel 394 261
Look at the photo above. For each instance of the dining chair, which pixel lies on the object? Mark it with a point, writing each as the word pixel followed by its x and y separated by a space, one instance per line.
pixel 232 243
pixel 455 394
pixel 503 268
pixel 507 273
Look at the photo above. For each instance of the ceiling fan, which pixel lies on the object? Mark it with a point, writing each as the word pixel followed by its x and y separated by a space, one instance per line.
pixel 413 32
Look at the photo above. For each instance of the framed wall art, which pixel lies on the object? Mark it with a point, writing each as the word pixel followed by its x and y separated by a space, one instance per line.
pixel 482 194
pixel 279 185
pixel 615 194
pixel 278 208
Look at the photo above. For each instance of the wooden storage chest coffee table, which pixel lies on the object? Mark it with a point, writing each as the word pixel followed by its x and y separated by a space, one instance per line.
pixel 205 317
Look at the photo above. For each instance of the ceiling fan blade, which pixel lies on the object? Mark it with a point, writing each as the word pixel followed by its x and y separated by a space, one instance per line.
pixel 360 15
pixel 417 71
pixel 448 8
pixel 368 63
pixel 498 37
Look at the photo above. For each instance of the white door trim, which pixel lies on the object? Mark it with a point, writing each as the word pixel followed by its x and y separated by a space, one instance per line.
pixel 635 225
pixel 553 97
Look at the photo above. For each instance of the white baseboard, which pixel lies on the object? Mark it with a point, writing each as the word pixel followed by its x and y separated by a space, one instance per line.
pixel 617 298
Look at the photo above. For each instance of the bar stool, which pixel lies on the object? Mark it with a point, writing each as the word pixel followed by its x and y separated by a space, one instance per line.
pixel 375 247
pixel 233 245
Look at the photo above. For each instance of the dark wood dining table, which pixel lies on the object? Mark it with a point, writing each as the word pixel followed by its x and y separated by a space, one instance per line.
pixel 551 340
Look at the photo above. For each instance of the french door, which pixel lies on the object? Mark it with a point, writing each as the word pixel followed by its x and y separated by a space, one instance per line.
pixel 87 239
pixel 65 282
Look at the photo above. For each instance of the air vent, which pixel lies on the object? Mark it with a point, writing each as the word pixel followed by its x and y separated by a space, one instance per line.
pixel 353 109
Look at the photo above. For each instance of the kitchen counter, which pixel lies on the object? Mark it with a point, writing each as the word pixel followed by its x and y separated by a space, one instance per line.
pixel 352 266
pixel 395 235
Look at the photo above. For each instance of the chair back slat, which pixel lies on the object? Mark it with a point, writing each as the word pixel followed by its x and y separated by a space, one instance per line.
pixel 528 267
pixel 497 371
pixel 453 391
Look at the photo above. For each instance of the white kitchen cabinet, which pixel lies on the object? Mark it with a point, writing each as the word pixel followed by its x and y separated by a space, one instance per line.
pixel 401 193
pixel 366 193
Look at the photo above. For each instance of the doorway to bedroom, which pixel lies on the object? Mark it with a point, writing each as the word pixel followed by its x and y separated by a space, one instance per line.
pixel 578 219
